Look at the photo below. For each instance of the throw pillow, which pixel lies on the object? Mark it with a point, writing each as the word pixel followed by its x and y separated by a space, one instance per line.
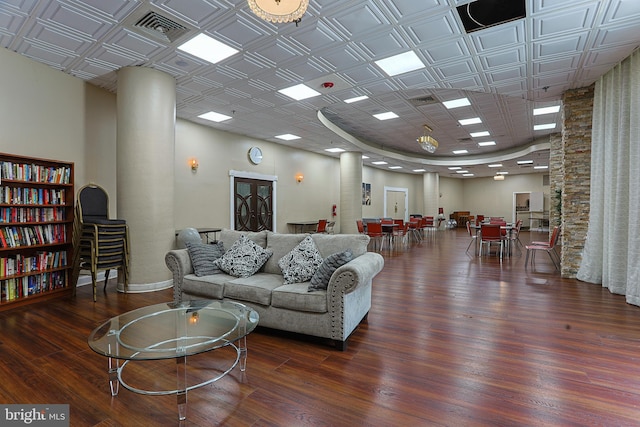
pixel 320 280
pixel 202 257
pixel 301 263
pixel 243 259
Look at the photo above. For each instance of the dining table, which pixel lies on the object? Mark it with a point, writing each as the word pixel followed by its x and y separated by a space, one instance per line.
pixel 301 226
pixel 509 227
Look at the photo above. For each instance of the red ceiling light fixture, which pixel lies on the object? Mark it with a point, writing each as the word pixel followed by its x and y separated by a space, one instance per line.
pixel 327 85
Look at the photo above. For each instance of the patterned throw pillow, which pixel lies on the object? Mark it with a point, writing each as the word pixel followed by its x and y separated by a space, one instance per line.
pixel 202 257
pixel 301 263
pixel 320 280
pixel 243 259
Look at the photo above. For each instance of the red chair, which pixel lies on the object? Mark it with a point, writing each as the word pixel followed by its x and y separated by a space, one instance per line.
pixel 548 247
pixel 491 234
pixel 374 231
pixel 322 226
pixel 514 237
pixel 360 225
pixel 414 228
pixel 429 223
pixel 474 237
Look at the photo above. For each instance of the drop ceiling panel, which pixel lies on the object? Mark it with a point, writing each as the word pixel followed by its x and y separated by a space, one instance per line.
pixel 507 36
pixel 447 51
pixel 563 22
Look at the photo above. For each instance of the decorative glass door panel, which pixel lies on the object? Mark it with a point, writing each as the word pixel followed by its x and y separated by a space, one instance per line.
pixel 253 204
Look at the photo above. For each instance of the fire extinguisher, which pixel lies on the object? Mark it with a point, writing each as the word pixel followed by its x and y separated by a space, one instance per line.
pixel 334 210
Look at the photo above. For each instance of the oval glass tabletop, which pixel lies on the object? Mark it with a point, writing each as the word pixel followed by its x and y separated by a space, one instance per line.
pixel 170 330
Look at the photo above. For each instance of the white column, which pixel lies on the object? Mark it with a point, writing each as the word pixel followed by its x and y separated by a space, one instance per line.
pixel 146 118
pixel 431 184
pixel 350 191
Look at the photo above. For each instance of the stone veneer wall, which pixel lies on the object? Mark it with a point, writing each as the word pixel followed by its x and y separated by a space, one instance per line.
pixel 556 178
pixel 576 165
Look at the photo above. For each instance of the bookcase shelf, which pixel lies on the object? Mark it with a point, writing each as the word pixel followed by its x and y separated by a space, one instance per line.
pixel 36 226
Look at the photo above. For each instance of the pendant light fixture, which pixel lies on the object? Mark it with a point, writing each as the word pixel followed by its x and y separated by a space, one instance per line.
pixel 427 142
pixel 279 11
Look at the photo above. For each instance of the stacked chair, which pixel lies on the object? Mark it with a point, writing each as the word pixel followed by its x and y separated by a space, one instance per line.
pixel 100 243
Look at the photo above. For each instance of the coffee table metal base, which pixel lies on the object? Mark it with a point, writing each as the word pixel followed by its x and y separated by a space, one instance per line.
pixel 116 369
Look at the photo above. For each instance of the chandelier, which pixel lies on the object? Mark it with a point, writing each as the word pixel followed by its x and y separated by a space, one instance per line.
pixel 427 142
pixel 279 11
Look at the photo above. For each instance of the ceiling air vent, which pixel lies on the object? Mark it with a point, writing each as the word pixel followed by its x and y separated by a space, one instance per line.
pixel 160 27
pixel 423 100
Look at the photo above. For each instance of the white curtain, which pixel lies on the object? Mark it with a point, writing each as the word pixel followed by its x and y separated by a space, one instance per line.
pixel 611 255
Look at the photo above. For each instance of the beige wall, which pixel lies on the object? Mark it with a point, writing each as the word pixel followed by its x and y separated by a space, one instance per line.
pixel 47 114
pixel 495 198
pixel 202 198
pixel 42 111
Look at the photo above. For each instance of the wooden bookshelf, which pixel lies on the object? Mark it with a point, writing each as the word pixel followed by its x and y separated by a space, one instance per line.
pixel 36 225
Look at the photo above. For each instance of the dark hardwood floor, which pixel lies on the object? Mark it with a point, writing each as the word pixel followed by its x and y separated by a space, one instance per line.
pixel 451 340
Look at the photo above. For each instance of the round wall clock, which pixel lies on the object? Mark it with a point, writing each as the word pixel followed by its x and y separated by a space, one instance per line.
pixel 255 155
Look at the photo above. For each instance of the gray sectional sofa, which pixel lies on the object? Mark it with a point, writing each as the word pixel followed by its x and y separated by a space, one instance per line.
pixel 333 313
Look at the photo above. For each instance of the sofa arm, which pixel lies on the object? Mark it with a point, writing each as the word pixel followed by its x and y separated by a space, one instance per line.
pixel 356 272
pixel 179 263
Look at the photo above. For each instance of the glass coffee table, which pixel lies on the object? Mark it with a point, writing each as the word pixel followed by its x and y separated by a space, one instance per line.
pixel 174 331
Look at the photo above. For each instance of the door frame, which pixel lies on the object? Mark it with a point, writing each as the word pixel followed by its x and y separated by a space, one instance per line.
pixel 406 200
pixel 252 175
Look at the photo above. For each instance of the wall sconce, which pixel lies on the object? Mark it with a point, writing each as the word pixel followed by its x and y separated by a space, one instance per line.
pixel 194 164
pixel 299 178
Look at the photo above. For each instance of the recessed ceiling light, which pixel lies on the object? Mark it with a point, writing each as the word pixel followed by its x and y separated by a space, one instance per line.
pixel 386 116
pixel 467 174
pixel 334 150
pixel 463 171
pixel 495 165
pixel 356 99
pixel 460 151
pixel 541 167
pixel 214 117
pixel 479 134
pixel 365 157
pixel 399 64
pixel 502 173
pixel 455 103
pixel 395 167
pixel 380 162
pixel 454 168
pixel 486 143
pixel 546 110
pixel 473 121
pixel 419 170
pixel 287 137
pixel 544 126
pixel 299 92
pixel 207 48
pixel 524 162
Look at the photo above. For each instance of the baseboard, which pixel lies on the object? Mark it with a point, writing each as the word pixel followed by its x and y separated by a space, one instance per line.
pixel 85 279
